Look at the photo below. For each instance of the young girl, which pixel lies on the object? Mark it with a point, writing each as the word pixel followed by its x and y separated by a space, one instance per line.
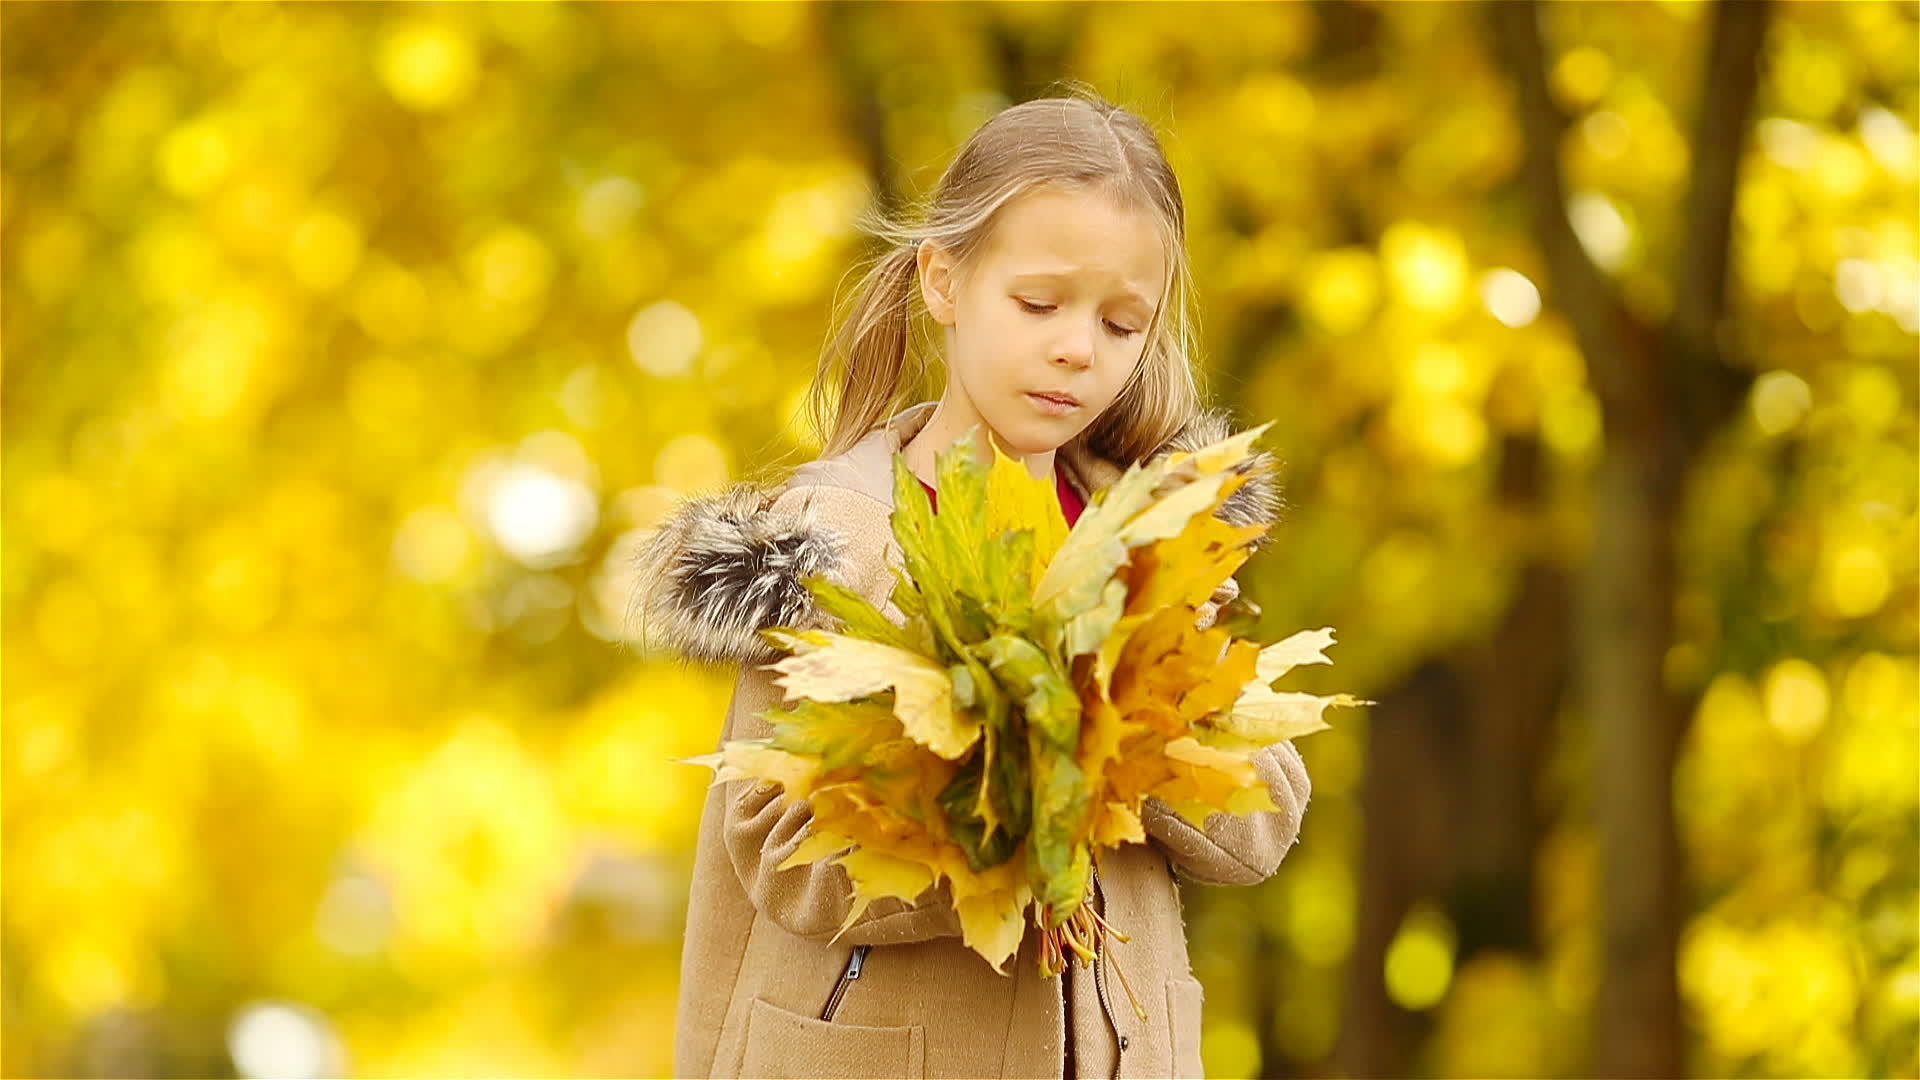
pixel 1052 255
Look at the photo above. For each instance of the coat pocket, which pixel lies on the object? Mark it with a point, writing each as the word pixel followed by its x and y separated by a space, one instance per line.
pixel 1184 997
pixel 786 1044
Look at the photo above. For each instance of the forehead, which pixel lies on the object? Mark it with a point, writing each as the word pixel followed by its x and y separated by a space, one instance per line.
pixel 1080 239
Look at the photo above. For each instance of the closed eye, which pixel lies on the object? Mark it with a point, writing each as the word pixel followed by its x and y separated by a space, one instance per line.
pixel 1042 309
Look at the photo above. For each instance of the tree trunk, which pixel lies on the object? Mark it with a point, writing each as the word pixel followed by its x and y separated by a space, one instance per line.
pixel 1662 391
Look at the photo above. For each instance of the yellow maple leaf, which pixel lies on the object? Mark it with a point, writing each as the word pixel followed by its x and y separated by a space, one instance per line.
pixel 875 875
pixel 1151 501
pixel 1116 823
pixel 1164 658
pixel 1225 682
pixel 1188 756
pixel 1140 767
pixel 1188 567
pixel 752 759
pixel 1016 500
pixel 1101 730
pixel 818 844
pixel 1248 800
pixel 835 667
pixel 1262 715
pixel 992 906
pixel 1305 647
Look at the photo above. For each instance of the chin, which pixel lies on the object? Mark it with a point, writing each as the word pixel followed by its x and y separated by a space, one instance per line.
pixel 1028 437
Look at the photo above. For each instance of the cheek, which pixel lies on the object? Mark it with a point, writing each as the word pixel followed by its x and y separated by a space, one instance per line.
pixel 985 330
pixel 1124 367
pixel 996 343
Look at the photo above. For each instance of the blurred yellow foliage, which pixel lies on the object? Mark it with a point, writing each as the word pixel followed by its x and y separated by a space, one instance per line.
pixel 345 345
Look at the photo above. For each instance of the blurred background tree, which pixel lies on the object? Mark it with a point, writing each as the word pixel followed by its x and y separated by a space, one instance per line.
pixel 349 347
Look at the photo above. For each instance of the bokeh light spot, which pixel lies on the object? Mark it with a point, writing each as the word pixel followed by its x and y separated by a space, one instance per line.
pixel 664 338
pixel 428 66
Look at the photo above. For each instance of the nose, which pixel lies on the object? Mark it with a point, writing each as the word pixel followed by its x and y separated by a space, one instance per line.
pixel 1074 349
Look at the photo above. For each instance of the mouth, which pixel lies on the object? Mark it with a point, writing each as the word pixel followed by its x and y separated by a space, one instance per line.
pixel 1067 400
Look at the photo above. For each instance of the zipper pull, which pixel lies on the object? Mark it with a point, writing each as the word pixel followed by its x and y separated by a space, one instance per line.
pixel 857 961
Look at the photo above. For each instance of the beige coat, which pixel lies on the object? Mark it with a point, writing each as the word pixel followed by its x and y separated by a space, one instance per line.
pixel 763 991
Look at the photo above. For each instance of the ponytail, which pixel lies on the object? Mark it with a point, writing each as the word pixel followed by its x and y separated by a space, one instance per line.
pixel 869 362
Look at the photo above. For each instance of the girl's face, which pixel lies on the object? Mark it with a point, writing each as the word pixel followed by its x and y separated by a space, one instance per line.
pixel 1058 302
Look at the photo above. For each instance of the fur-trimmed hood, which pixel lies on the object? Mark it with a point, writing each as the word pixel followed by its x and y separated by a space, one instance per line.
pixel 722 566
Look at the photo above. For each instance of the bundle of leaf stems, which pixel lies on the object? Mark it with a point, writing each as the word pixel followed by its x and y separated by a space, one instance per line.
pixel 1078 937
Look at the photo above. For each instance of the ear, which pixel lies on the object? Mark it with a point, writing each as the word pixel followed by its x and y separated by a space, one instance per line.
pixel 937 280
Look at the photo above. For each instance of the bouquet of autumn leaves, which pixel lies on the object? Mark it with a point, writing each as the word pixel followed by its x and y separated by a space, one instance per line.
pixel 1044 683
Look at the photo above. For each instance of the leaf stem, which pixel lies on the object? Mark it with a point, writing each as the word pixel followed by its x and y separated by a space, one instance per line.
pixel 1106 926
pixel 1138 1010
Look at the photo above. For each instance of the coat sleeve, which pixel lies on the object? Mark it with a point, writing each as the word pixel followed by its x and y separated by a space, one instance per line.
pixel 763 826
pixel 1237 849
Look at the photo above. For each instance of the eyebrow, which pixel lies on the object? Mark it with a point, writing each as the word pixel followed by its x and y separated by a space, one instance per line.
pixel 1045 275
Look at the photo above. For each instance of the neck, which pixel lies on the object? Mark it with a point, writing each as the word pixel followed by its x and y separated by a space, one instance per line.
pixel 952 419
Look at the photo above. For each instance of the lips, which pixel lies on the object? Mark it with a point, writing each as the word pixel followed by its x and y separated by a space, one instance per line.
pixel 1064 399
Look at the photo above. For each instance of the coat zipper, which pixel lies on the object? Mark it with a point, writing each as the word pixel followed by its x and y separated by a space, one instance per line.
pixel 1100 985
pixel 854 963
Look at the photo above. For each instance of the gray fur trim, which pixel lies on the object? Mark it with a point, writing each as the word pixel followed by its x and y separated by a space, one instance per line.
pixel 725 565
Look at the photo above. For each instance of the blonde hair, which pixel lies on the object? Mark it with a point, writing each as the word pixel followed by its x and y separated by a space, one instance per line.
pixel 1079 142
